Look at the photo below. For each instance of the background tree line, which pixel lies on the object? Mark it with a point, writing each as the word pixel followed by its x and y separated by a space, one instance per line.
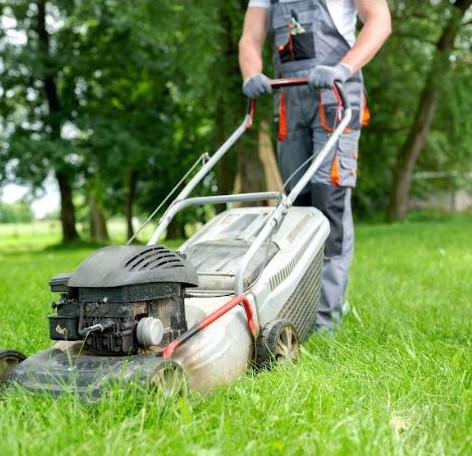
pixel 118 99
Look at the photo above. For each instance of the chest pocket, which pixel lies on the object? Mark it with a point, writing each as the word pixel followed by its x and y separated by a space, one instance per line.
pixel 293 30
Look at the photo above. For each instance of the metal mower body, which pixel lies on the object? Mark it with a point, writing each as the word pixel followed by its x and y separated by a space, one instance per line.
pixel 244 290
pixel 282 282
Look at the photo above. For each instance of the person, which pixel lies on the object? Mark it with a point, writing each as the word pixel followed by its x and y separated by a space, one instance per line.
pixel 316 39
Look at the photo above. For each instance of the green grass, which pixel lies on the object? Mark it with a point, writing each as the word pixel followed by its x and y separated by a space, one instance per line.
pixel 36 235
pixel 396 379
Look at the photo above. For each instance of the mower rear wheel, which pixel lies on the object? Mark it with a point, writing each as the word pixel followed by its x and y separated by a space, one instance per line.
pixel 170 380
pixel 278 342
pixel 9 359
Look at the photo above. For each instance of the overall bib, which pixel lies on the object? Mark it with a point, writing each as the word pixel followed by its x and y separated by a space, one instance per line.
pixel 304 35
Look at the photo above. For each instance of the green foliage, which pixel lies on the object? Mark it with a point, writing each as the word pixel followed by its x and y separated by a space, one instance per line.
pixel 146 87
pixel 19 212
pixel 395 79
pixel 396 379
pixel 127 100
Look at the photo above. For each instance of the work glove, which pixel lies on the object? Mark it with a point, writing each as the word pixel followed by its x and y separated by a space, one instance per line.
pixel 257 85
pixel 323 77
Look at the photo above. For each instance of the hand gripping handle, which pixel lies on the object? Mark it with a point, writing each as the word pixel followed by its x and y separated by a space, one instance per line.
pixel 292 82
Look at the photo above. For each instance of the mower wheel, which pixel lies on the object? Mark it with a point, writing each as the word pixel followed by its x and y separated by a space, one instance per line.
pixel 277 342
pixel 9 359
pixel 170 380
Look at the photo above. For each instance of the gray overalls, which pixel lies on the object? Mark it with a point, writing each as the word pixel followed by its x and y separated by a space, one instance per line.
pixel 304 35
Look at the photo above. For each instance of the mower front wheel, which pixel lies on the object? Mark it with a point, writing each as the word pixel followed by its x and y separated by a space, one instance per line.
pixel 170 380
pixel 277 342
pixel 9 359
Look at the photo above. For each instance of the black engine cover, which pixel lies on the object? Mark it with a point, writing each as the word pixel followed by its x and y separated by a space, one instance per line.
pixel 120 265
pixel 104 299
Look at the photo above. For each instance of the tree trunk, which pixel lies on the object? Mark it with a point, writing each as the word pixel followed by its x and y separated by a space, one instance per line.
pixel 69 232
pixel 426 110
pixel 132 177
pixel 176 230
pixel 98 224
pixel 225 168
pixel 410 152
pixel 258 172
pixel 227 113
pixel 267 156
pixel 251 173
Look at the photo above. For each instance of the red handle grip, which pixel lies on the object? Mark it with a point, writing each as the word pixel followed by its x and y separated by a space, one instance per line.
pixel 288 82
pixel 291 82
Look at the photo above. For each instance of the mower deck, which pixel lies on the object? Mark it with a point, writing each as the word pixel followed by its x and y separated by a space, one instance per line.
pixel 67 369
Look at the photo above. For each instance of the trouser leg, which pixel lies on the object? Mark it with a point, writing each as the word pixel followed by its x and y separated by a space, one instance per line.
pixel 306 139
pixel 335 203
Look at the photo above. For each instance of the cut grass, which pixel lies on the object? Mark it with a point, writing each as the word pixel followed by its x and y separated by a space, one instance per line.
pixel 396 379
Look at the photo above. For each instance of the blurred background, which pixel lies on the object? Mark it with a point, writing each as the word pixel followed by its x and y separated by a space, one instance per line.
pixel 106 104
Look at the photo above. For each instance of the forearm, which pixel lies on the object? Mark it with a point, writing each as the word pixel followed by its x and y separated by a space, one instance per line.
pixel 368 43
pixel 252 42
pixel 250 60
pixel 374 33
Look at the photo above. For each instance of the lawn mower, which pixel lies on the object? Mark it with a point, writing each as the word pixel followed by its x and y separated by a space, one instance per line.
pixel 243 291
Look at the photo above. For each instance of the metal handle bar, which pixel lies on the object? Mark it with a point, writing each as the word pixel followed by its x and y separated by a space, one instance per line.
pixel 245 125
pixel 280 211
pixel 291 82
pixel 288 82
pixel 177 206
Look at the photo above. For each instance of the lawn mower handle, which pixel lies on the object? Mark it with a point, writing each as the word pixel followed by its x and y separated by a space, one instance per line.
pixel 293 82
pixel 241 129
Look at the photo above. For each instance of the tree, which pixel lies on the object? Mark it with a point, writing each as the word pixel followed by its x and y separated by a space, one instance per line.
pixel 222 94
pixel 245 164
pixel 88 99
pixel 123 86
pixel 34 108
pixel 427 107
pixel 19 212
pixel 119 103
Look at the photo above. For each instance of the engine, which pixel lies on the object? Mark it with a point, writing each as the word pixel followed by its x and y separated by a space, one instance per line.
pixel 122 299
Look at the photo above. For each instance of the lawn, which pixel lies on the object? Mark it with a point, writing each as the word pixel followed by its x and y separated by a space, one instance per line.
pixel 396 379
